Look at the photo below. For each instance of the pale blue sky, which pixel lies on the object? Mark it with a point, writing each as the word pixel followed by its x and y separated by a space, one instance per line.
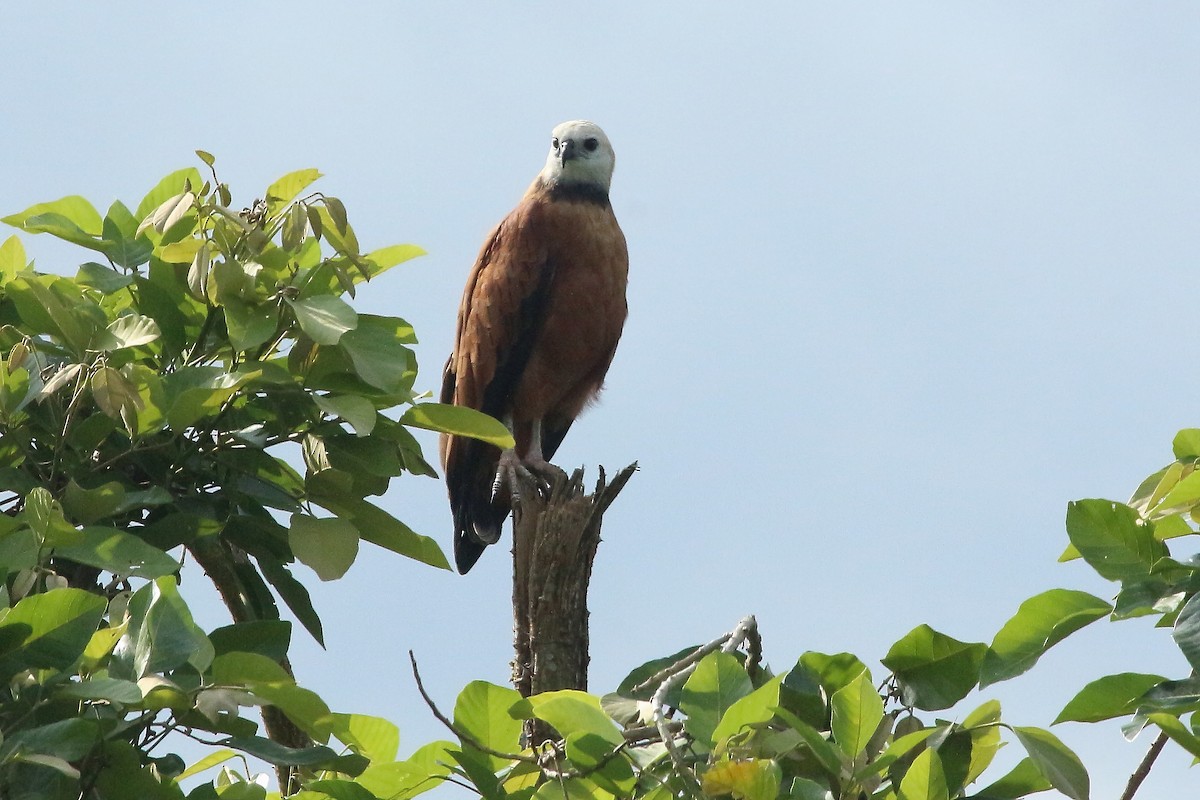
pixel 905 279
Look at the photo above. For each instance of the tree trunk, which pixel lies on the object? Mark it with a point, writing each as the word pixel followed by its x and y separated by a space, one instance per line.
pixel 555 536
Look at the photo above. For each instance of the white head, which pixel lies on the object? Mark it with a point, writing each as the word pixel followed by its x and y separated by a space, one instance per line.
pixel 580 153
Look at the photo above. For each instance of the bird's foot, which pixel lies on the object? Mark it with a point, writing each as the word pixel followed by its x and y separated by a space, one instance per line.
pixel 511 469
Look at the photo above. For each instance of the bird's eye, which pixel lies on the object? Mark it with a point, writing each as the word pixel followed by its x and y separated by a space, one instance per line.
pixel 554 143
pixel 590 144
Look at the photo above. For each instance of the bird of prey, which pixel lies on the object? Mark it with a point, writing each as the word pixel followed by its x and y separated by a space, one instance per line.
pixel 537 328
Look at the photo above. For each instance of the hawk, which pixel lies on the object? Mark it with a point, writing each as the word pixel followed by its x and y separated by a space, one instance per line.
pixel 538 325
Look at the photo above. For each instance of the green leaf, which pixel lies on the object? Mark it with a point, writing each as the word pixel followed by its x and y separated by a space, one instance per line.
pixel 834 671
pixel 76 210
pixel 718 682
pixel 1187 443
pixel 387 257
pixel 12 259
pixel 1056 762
pixel 373 737
pixel 746 779
pixel 1041 622
pixel 130 330
pixel 48 630
pixel 857 711
pixel 88 505
pixel 924 779
pixel 161 635
pixel 1113 539
pixel 120 553
pixel 209 761
pixel 303 707
pixel 935 671
pixel 458 421
pixel 574 712
pixel 249 324
pixel 328 546
pixel 1187 630
pixel 358 411
pixel 755 708
pixel 318 756
pixel 324 318
pixel 1174 696
pixel 293 592
pixel 241 668
pixel 405 779
pixel 378 353
pixel 643 673
pixel 101 278
pixel 1108 697
pixel 825 753
pixel 284 190
pixel 1185 493
pixel 69 739
pixel 266 637
pixel 1023 779
pixel 1176 731
pixel 482 712
pixel 112 690
pixel 383 530
pixel 168 187
pixel 169 212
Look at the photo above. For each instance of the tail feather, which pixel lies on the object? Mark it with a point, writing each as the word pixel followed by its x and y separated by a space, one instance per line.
pixel 478 517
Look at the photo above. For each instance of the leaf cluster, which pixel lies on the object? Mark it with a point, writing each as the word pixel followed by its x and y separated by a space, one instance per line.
pixel 202 388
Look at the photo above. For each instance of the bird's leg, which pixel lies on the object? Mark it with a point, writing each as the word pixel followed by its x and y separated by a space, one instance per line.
pixel 511 467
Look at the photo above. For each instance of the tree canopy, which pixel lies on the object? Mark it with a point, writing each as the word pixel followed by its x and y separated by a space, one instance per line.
pixel 202 389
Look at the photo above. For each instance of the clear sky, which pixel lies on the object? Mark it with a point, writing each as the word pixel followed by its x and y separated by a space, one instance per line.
pixel 905 279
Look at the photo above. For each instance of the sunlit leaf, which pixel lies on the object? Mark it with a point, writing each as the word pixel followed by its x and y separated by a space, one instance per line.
pixel 935 671
pixel 750 779
pixel 131 330
pixel 1060 766
pixel 358 411
pixel 459 421
pixel 1108 697
pixel 1187 631
pixel 482 712
pixel 1113 539
pixel 119 553
pixel 48 630
pixel 324 317
pixel 80 213
pixel 12 259
pixel 284 190
pixel 857 712
pixel 924 779
pixel 755 708
pixel 718 682
pixel 328 546
pixel 168 212
pixel 1041 622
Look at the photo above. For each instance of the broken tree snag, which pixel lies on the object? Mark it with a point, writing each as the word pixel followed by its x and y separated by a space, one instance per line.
pixel 555 535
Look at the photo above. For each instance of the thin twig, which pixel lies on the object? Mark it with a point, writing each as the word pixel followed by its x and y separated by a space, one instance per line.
pixel 1143 769
pixel 680 670
pixel 463 736
pixel 471 741
pixel 691 658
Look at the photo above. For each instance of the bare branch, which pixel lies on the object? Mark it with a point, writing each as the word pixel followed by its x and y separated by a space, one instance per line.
pixel 463 736
pixel 1143 769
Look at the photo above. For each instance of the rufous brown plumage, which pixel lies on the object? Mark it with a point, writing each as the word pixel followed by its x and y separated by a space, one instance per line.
pixel 537 329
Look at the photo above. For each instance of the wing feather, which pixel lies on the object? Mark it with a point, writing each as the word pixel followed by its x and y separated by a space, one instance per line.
pixel 499 319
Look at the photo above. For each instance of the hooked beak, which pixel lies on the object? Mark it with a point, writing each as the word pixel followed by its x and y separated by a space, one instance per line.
pixel 566 151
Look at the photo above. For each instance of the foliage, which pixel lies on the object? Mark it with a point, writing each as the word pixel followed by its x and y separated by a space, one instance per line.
pixel 203 387
pixel 823 729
